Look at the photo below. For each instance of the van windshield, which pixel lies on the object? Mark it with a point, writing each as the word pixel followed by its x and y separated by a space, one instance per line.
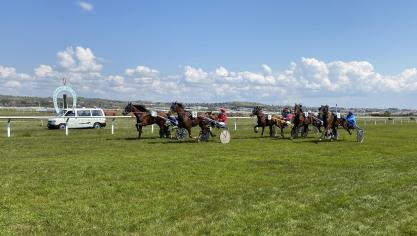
pixel 62 112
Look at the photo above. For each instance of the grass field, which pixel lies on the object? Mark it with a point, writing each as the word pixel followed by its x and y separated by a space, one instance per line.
pixel 92 182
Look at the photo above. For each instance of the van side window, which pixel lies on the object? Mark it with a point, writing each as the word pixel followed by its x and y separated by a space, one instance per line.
pixel 83 113
pixel 70 113
pixel 97 113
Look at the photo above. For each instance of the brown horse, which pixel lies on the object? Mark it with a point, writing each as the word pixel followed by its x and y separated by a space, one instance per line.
pixel 144 117
pixel 263 121
pixel 344 124
pixel 300 122
pixel 187 121
pixel 329 123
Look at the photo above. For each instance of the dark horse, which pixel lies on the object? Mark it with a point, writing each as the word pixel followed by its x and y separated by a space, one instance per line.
pixel 144 117
pixel 186 120
pixel 329 123
pixel 300 122
pixel 263 121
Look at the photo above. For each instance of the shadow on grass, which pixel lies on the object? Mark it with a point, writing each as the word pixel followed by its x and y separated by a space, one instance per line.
pixel 252 137
pixel 174 141
pixel 134 138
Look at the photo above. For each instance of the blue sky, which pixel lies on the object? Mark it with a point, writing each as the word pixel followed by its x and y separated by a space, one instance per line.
pixel 187 42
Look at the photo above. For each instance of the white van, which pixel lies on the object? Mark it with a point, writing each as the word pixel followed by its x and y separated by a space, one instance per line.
pixel 78 118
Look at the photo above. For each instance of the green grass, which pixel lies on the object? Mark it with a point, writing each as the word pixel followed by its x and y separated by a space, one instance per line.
pixel 92 182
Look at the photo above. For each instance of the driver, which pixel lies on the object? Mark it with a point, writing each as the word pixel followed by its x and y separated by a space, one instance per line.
pixel 222 117
pixel 285 112
pixel 351 120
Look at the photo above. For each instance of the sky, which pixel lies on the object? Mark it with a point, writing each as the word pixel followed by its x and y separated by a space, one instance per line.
pixel 351 53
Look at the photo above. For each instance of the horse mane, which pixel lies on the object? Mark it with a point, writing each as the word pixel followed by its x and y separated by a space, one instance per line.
pixel 299 106
pixel 140 107
pixel 180 105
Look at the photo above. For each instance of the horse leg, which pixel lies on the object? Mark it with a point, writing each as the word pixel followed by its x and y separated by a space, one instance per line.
pixel 263 128
pixel 270 131
pixel 189 133
pixel 282 131
pixel 323 134
pixel 335 134
pixel 305 131
pixel 211 133
pixel 254 128
pixel 292 134
pixel 139 131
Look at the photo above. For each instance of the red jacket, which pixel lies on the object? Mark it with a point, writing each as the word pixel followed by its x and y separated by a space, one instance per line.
pixel 222 117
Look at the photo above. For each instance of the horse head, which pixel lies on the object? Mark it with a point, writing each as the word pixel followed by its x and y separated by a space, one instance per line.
pixel 128 109
pixel 298 108
pixel 173 107
pixel 323 110
pixel 256 110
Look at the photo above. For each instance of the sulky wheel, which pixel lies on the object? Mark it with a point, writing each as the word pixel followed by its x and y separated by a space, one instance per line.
pixel 181 133
pixel 225 136
pixel 204 136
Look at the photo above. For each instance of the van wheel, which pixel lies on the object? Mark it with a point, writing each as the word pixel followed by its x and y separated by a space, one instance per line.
pixel 61 126
pixel 96 126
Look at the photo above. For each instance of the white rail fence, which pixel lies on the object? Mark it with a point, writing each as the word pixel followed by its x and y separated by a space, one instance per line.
pixel 361 120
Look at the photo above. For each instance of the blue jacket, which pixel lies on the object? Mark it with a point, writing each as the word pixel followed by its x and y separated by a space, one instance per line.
pixel 351 120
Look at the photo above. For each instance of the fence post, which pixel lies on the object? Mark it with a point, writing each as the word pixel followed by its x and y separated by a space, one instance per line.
pixel 152 128
pixel 393 121
pixel 374 122
pixel 401 121
pixel 66 127
pixel 112 125
pixel 235 124
pixel 8 127
pixel 385 122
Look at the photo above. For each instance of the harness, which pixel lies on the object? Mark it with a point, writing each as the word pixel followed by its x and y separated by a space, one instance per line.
pixel 317 119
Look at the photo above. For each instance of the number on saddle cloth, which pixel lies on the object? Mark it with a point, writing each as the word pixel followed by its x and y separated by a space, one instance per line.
pixel 194 114
pixel 269 116
pixel 306 114
pixel 154 114
pixel 338 115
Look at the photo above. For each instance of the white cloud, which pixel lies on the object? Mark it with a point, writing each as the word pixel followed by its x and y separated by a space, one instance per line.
pixel 7 71
pixel 44 71
pixel 142 71
pixel 195 75
pixel 222 72
pixel 85 5
pixel 267 69
pixel 12 84
pixel 78 60
pixel 308 79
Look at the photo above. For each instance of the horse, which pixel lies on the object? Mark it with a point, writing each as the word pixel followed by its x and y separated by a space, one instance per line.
pixel 329 123
pixel 144 117
pixel 186 120
pixel 344 124
pixel 300 121
pixel 262 122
